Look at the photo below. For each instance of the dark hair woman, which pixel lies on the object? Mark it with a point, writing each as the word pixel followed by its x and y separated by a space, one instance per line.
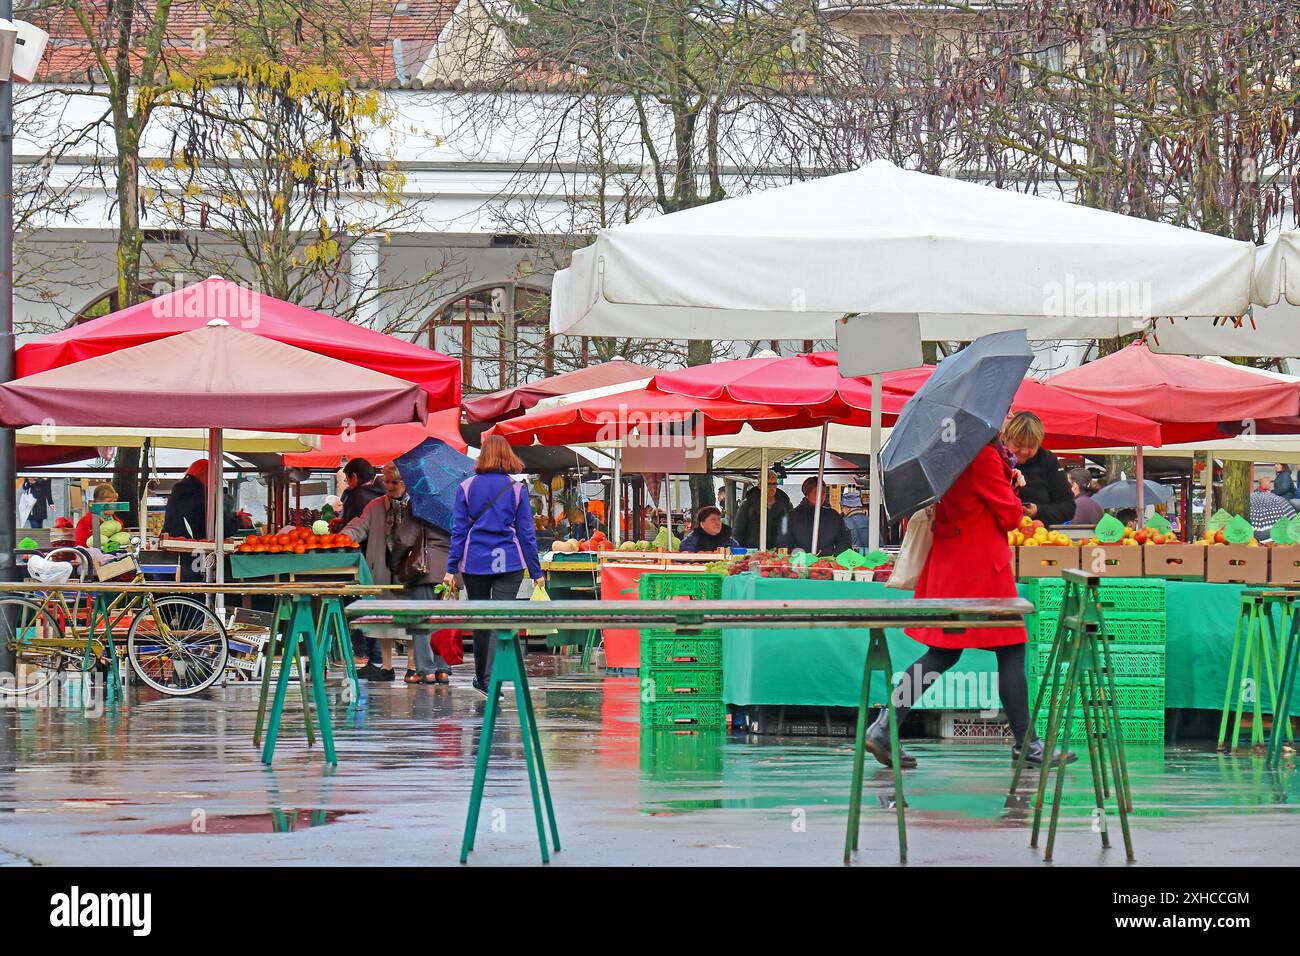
pixel 709 533
pixel 492 540
pixel 969 559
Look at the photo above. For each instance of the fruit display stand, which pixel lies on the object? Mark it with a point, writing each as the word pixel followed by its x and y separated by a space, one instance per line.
pixel 571 577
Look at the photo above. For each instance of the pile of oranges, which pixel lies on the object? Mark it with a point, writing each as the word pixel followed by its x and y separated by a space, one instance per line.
pixel 297 541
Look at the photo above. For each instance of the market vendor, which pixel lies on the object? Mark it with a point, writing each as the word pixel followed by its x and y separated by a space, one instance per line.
pixel 105 494
pixel 709 534
pixel 833 534
pixel 186 514
pixel 1044 490
pixel 778 513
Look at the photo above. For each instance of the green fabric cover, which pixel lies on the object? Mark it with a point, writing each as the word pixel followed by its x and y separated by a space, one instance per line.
pixel 822 667
pixel 264 565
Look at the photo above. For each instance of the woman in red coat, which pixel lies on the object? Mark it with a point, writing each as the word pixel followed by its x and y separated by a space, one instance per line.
pixel 969 559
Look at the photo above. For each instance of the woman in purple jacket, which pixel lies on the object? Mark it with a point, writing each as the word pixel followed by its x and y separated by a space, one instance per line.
pixel 492 541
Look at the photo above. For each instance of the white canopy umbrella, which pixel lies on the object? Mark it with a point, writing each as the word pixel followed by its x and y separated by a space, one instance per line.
pixel 968 259
pixel 962 258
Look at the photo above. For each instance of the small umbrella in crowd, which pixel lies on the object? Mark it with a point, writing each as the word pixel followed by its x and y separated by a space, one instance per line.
pixel 432 470
pixel 1123 494
pixel 950 418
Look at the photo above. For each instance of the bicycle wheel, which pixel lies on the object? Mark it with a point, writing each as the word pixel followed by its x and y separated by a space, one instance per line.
pixel 177 645
pixel 38 645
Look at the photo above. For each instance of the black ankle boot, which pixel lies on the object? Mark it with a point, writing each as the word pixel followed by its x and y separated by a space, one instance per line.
pixel 1036 752
pixel 877 743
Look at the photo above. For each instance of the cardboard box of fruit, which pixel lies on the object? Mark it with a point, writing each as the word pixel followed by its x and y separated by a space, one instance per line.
pixel 1163 555
pixel 1040 552
pixel 1283 564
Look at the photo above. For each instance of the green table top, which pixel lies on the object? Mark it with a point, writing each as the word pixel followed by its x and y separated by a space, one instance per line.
pixel 265 565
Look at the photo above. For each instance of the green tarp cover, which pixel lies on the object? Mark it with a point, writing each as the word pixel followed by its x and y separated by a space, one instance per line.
pixel 264 565
pixel 823 667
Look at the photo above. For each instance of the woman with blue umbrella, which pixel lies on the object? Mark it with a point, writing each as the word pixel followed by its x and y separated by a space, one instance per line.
pixel 945 450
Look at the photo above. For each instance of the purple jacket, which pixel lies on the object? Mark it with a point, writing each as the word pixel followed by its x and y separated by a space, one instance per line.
pixel 502 540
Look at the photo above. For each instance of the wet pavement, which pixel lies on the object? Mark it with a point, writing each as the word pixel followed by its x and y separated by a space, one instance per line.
pixel 177 781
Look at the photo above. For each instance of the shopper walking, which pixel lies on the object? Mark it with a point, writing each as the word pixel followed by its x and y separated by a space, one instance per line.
pixel 969 558
pixel 492 540
pixel 402 548
pixel 358 486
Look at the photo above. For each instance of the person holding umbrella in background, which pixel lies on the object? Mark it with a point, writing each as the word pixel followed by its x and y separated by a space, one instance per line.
pixel 1044 491
pixel 945 450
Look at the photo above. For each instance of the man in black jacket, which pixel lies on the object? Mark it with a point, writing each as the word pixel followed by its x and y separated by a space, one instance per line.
pixel 778 513
pixel 832 533
pixel 363 487
pixel 1046 490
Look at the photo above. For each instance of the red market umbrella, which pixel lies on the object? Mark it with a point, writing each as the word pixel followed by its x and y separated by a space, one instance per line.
pixel 642 411
pixel 510 402
pixel 1069 421
pixel 194 306
pixel 213 377
pixel 1178 388
pixel 381 445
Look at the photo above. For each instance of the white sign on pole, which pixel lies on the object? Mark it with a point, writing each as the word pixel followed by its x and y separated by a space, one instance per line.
pixel 878 342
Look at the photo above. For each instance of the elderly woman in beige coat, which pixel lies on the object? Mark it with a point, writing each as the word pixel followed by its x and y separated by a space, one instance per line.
pixel 391 533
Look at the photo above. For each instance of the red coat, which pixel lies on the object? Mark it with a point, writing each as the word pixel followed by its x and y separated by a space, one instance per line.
pixel 970 557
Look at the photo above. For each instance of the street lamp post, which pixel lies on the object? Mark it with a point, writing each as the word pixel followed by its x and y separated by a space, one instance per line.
pixel 8 456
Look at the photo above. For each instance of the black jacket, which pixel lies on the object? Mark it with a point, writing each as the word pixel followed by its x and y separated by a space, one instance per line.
pixel 356 499
pixel 188 502
pixel 701 540
pixel 40 490
pixel 833 535
pixel 747 519
pixel 1048 488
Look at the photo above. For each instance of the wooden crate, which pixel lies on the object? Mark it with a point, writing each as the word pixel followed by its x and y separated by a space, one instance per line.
pixel 1284 564
pixel 1045 562
pixel 1111 561
pixel 1236 564
pixel 1174 560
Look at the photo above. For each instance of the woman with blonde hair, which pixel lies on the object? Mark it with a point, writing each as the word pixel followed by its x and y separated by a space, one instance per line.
pixel 492 540
pixel 1044 490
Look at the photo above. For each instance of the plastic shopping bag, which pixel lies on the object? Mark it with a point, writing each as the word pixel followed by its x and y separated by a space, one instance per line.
pixel 915 549
pixel 539 594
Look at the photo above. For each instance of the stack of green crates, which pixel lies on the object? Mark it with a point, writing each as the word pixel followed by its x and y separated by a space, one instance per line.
pixel 681 674
pixel 1134 613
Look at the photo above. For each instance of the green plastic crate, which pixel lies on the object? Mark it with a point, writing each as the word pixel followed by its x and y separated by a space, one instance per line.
pixel 1122 628
pixel 684 714
pixel 1133 694
pixel 696 587
pixel 670 650
pixel 682 683
pixel 1126 660
pixel 1135 728
pixel 1118 595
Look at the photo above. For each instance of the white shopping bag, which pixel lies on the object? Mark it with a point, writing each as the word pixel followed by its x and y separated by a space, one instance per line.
pixel 915 549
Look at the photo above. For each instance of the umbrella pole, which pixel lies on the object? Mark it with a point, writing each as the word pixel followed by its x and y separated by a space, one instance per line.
pixel 217 511
pixel 616 511
pixel 876 496
pixel 1141 487
pixel 821 471
pixel 762 499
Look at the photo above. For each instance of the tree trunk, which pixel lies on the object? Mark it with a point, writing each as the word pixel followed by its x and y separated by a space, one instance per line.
pixel 1235 497
pixel 130 244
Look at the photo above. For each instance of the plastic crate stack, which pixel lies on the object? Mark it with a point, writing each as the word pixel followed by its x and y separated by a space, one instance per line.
pixel 681 674
pixel 1134 613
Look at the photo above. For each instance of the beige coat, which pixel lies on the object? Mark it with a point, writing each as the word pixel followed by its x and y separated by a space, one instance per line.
pixel 371 528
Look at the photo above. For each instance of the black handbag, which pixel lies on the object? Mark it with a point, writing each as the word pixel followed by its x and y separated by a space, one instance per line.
pixel 415 563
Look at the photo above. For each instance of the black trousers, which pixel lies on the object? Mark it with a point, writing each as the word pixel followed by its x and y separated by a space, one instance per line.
pixel 1013 686
pixel 489 587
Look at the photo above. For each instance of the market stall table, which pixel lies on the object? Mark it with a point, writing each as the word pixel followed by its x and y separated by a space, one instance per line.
pixel 685 617
pixel 813 667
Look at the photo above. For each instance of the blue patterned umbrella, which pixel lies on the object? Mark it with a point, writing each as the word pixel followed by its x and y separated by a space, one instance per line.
pixel 432 470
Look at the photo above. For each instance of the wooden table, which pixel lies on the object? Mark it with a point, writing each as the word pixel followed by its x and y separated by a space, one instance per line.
pixel 685 617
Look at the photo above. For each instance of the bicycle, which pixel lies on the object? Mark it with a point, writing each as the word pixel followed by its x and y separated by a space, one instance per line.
pixel 176 644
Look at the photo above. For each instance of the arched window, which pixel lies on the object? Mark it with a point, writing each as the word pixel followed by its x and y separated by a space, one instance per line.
pixel 107 302
pixel 500 333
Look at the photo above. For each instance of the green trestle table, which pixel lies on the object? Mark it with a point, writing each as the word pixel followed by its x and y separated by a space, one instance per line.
pixel 818 668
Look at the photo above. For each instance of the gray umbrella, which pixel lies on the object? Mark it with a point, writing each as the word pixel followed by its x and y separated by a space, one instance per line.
pixel 950 418
pixel 1123 494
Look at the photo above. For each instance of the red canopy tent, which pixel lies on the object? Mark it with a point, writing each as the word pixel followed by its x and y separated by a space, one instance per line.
pixel 213 377
pixel 515 401
pixel 1187 396
pixel 381 445
pixel 194 306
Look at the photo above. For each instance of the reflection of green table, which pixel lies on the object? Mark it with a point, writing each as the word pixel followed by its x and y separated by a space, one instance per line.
pixel 816 667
